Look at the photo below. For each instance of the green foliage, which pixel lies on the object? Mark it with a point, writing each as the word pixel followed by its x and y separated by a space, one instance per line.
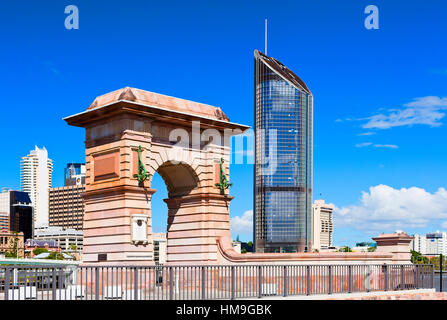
pixel 38 251
pixel 345 249
pixel 243 250
pixel 250 243
pixel 418 258
pixel 436 261
pixel 316 250
pixel 55 256
pixel 371 249
pixel 73 247
pixel 9 254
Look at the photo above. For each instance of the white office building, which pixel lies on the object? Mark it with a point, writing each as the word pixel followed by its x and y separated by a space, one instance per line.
pixel 322 225
pixel 431 243
pixel 35 178
pixel 160 248
pixel 68 240
pixel 419 244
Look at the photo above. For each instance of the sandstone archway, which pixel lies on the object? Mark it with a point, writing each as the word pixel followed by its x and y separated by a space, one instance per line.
pixel 184 142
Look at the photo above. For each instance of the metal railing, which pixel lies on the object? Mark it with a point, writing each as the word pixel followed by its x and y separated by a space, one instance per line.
pixel 19 282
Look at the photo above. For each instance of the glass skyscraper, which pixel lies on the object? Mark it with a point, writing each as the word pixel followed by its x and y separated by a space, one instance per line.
pixel 283 159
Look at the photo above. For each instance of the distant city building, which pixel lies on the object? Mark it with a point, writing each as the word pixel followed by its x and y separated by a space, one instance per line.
pixel 66 207
pixel 16 212
pixel 7 239
pixel 68 240
pixel 4 210
pixel 431 243
pixel 35 178
pixel 31 244
pixel 366 244
pixel 436 243
pixel 419 244
pixel 322 225
pixel 237 246
pixel 74 174
pixel 283 159
pixel 160 247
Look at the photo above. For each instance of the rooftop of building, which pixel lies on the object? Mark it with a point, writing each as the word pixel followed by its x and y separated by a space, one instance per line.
pixel 283 71
pixel 158 100
pixel 50 231
pixel 41 243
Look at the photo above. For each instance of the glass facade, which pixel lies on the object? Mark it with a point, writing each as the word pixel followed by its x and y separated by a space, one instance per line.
pixel 74 174
pixel 283 159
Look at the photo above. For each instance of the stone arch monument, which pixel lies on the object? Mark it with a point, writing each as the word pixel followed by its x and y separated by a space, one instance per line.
pixel 130 135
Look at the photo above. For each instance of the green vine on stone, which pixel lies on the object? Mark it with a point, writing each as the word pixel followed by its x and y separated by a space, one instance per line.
pixel 142 175
pixel 223 183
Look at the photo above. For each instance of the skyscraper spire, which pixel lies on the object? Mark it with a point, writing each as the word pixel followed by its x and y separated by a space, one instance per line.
pixel 265 36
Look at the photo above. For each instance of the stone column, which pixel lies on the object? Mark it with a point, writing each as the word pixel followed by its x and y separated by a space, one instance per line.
pixel 396 243
pixel 115 202
pixel 195 222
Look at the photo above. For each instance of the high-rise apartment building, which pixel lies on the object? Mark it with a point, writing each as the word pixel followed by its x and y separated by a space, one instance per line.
pixel 322 225
pixel 66 207
pixel 35 178
pixel 283 159
pixel 74 174
pixel 419 243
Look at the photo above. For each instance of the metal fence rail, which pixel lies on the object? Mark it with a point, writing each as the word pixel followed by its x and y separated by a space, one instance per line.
pixel 204 282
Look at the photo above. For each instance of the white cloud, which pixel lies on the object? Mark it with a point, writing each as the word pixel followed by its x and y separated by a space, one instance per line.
pixel 366 134
pixel 363 144
pixel 391 146
pixel 427 110
pixel 385 209
pixel 428 101
pixel 242 224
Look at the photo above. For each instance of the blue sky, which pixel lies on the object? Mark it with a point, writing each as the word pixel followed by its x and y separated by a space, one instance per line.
pixel 363 81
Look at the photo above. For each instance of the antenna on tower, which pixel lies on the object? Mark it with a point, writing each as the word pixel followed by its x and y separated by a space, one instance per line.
pixel 265 36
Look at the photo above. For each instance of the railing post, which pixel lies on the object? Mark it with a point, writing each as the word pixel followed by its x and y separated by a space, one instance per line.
pixel 330 279
pixel 440 272
pixel 285 281
pixel 308 291
pixel 402 279
pixel 53 285
pixel 7 279
pixel 96 283
pixel 135 283
pixel 259 281
pixel 433 276
pixel 349 279
pixel 232 282
pixel 385 271
pixel 171 284
pixel 416 276
pixel 203 283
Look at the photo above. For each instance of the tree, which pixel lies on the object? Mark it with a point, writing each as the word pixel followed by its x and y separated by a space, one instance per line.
pixel 55 256
pixel 418 258
pixel 250 243
pixel 13 246
pixel 371 249
pixel 345 249
pixel 73 247
pixel 243 250
pixel 38 251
